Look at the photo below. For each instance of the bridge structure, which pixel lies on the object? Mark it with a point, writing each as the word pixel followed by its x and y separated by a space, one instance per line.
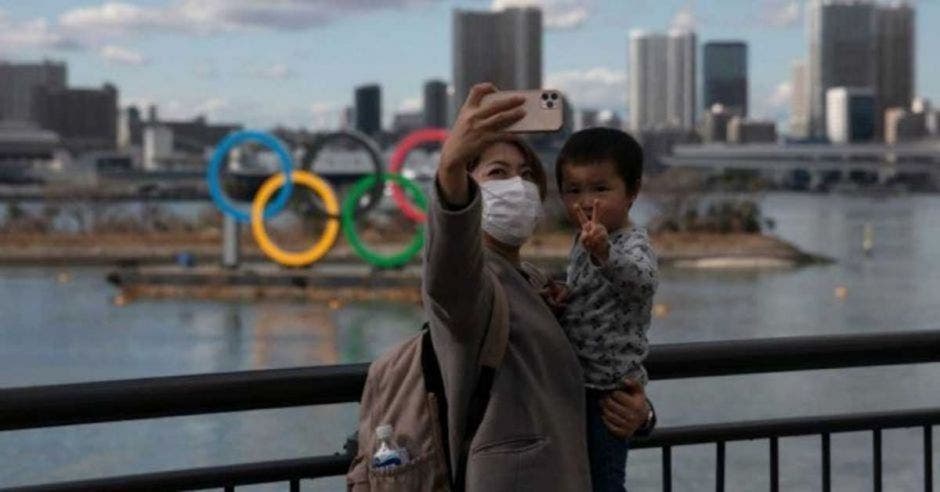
pixel 818 160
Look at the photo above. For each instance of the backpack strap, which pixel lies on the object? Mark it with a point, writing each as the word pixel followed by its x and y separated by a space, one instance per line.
pixel 491 357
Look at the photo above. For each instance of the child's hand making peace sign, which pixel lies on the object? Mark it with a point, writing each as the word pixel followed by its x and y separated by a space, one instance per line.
pixel 593 234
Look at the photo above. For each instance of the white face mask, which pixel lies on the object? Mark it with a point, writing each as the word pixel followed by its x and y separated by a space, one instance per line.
pixel 511 209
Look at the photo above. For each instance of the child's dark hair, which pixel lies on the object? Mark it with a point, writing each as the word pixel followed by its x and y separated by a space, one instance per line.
pixel 600 144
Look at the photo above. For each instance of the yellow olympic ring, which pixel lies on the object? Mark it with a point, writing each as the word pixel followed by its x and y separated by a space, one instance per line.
pixel 302 258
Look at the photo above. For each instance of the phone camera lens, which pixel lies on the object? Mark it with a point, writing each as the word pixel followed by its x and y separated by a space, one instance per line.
pixel 554 96
pixel 544 96
pixel 550 104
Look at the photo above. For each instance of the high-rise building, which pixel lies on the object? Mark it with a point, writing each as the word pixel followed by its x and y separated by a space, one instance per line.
pixel 130 128
pixel 799 101
pixel 18 81
pixel 747 131
pixel 850 114
pixel 724 69
pixel 842 52
pixel 902 125
pixel 715 124
pixel 369 109
pixel 503 47
pixel 647 80
pixel 406 122
pixel 681 48
pixel 435 104
pixel 895 71
pixel 662 85
pixel 86 119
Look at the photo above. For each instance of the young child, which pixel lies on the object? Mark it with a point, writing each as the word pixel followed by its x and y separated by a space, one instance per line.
pixel 611 280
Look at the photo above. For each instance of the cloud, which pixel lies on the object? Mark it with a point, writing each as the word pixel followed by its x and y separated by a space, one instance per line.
pixel 781 13
pixel 327 115
pixel 595 88
pixel 780 98
pixel 114 17
pixel 557 14
pixel 277 71
pixel 410 105
pixel 213 108
pixel 773 103
pixel 214 16
pixel 684 19
pixel 34 33
pixel 122 56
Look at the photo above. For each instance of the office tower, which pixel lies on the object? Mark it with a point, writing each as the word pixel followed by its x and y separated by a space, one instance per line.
pixel 715 124
pixel 799 101
pixel 902 125
pixel 850 114
pixel 842 52
pixel 435 104
pixel 724 69
pixel 503 47
pixel 86 119
pixel 369 109
pixel 18 81
pixel 747 131
pixel 662 81
pixel 647 80
pixel 681 48
pixel 406 122
pixel 895 46
pixel 130 128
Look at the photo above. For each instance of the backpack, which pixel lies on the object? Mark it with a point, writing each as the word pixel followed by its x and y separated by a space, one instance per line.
pixel 404 388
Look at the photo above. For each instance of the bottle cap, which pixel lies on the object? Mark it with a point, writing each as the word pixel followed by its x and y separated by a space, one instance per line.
pixel 383 431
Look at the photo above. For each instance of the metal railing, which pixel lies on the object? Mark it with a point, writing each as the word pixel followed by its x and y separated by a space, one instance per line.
pixel 111 401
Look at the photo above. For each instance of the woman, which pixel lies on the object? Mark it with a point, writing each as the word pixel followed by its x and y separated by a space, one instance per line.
pixel 532 436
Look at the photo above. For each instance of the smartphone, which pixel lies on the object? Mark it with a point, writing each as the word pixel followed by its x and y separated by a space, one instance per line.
pixel 544 110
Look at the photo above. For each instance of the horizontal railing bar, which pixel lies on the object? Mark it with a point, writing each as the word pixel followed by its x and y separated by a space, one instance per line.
pixel 787 427
pixel 338 464
pixel 763 355
pixel 108 401
pixel 205 478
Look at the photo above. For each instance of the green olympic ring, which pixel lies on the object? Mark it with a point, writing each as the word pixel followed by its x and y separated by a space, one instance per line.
pixel 349 221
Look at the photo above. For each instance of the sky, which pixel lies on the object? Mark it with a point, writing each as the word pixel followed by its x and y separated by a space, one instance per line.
pixel 295 63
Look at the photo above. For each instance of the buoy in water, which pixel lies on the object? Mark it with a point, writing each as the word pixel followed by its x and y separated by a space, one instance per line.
pixel 868 238
pixel 660 310
pixel 841 292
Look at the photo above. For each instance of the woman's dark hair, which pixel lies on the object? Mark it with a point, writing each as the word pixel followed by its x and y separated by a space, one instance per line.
pixel 595 145
pixel 528 154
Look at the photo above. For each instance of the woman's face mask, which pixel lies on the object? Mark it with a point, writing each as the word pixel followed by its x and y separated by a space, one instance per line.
pixel 511 209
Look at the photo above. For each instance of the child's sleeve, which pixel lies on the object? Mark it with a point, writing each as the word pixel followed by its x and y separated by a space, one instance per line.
pixel 631 267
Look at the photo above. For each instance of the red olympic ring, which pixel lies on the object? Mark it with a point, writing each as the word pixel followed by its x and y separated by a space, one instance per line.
pixel 407 144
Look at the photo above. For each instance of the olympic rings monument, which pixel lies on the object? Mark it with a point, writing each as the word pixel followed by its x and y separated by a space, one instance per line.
pixel 406 194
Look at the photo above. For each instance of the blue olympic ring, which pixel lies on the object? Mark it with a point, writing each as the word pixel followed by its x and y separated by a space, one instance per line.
pixel 212 174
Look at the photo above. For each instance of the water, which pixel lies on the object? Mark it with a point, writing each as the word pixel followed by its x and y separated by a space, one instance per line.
pixel 58 329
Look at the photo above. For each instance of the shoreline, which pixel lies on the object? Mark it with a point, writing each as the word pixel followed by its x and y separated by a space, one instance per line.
pixel 145 266
pixel 674 250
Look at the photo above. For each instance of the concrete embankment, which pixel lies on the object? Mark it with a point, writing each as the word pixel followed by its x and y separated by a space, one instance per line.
pixel 148 271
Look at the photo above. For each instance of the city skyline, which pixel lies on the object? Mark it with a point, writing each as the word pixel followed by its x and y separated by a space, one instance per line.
pixel 263 67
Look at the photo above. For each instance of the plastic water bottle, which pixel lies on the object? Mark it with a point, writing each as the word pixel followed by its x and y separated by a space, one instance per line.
pixel 387 454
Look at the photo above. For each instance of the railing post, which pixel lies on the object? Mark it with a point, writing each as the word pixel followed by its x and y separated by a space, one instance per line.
pixel 295 485
pixel 928 458
pixel 876 458
pixel 826 464
pixel 774 465
pixel 667 469
pixel 720 466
